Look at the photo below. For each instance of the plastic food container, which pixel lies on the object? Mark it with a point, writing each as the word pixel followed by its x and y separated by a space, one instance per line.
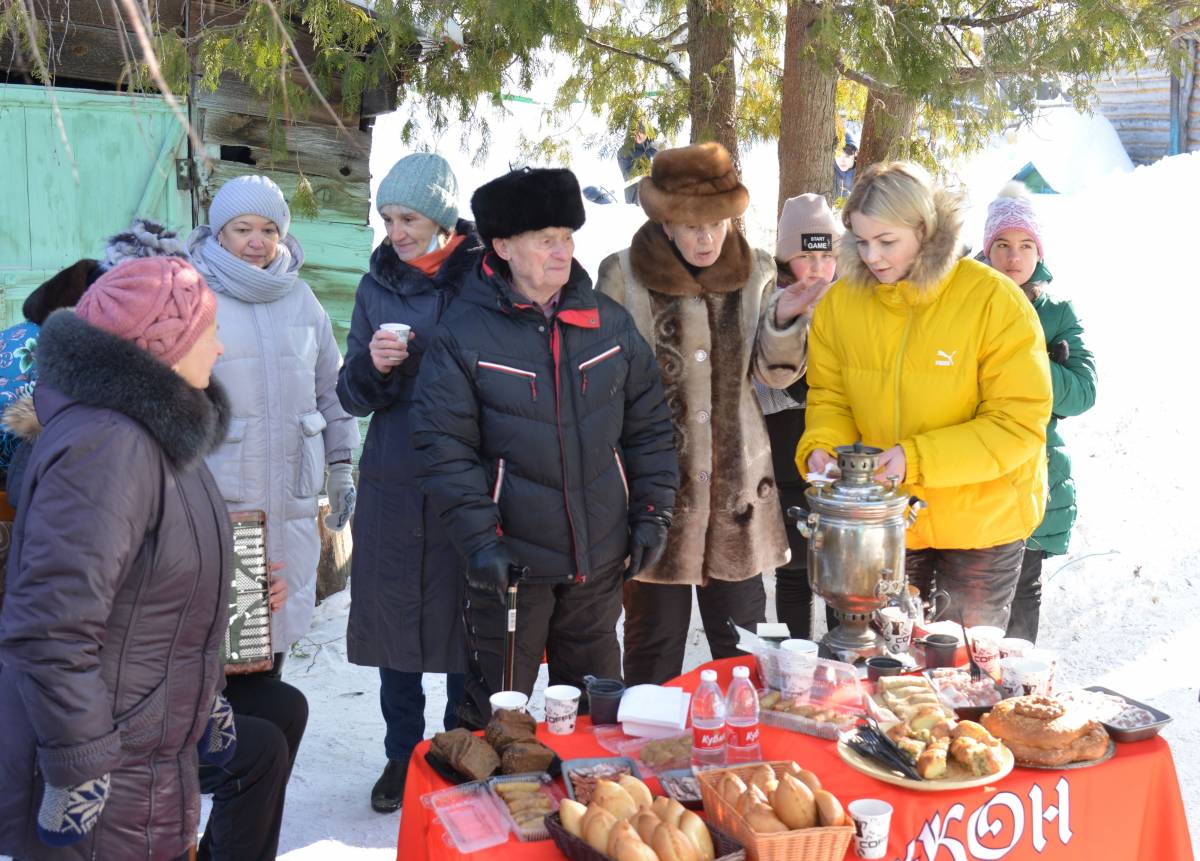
pixel 1118 729
pixel 655 755
pixel 545 787
pixel 800 714
pixel 970 700
pixel 611 764
pixel 470 816
pixel 682 785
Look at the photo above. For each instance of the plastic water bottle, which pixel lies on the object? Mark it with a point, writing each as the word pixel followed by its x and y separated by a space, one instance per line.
pixel 708 721
pixel 741 717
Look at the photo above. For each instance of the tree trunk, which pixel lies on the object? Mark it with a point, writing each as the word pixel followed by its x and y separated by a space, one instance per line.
pixel 333 569
pixel 888 121
pixel 712 81
pixel 807 131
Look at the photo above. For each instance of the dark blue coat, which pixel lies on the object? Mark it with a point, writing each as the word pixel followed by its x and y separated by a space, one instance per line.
pixel 406 582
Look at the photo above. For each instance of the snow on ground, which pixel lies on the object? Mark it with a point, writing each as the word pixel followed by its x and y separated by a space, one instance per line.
pixel 1122 609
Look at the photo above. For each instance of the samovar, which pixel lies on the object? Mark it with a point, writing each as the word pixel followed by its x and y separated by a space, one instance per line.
pixel 855 529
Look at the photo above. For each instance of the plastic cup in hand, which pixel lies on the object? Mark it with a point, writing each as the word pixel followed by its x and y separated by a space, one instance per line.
pixel 562 708
pixel 985 645
pixel 872 822
pixel 511 700
pixel 897 629
pixel 1024 676
pixel 604 699
pixel 403 331
pixel 1015 647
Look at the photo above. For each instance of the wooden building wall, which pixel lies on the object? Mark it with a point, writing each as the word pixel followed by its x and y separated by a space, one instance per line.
pixel 1137 103
pixel 91 48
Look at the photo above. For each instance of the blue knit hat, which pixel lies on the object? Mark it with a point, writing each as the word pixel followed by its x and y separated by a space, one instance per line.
pixel 424 183
pixel 249 195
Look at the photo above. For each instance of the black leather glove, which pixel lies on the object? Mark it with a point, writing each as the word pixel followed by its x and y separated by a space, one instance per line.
pixel 488 569
pixel 1060 352
pixel 647 541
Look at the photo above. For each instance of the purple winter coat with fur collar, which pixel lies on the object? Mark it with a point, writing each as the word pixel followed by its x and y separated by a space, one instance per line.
pixel 116 598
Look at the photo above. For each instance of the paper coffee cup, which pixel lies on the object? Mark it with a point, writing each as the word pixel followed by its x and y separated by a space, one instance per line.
pixel 985 645
pixel 1024 677
pixel 402 330
pixel 797 661
pixel 562 708
pixel 1015 647
pixel 897 629
pixel 512 700
pixel 872 822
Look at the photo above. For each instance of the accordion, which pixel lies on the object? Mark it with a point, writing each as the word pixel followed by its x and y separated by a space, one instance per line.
pixel 247 644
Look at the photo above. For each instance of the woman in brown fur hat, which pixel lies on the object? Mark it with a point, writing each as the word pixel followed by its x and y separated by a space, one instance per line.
pixel 706 302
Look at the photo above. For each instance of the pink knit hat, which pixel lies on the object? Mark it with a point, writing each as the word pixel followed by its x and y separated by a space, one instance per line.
pixel 161 304
pixel 1012 210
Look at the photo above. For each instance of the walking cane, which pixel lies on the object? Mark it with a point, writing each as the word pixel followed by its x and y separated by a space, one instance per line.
pixel 515 574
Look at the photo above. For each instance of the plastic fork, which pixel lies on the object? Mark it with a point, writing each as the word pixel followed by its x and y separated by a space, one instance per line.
pixel 976 670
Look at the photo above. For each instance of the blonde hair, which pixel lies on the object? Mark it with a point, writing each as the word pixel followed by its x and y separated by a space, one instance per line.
pixel 897 192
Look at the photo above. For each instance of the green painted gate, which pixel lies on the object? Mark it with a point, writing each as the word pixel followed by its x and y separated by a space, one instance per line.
pixel 59 203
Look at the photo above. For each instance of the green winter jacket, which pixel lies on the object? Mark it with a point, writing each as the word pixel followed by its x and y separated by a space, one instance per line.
pixel 1074 394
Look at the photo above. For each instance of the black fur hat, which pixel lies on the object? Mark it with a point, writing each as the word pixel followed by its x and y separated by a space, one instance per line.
pixel 61 290
pixel 527 199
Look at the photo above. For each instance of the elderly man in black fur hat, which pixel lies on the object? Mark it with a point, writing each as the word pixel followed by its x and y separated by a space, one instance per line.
pixel 546 442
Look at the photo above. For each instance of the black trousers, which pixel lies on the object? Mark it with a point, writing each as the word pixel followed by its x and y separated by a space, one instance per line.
pixel 248 792
pixel 980 583
pixel 1027 604
pixel 573 624
pixel 658 616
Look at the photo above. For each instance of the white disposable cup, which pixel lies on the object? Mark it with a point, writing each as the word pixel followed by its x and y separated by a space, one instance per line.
pixel 985 645
pixel 1050 657
pixel 1015 647
pixel 562 708
pixel 799 647
pixel 512 700
pixel 872 822
pixel 897 628
pixel 401 330
pixel 1024 676
pixel 797 661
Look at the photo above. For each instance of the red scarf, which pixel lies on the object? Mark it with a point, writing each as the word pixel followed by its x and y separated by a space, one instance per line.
pixel 430 263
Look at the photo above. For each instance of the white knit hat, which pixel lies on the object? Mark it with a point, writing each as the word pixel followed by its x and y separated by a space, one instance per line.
pixel 249 195
pixel 1012 210
pixel 806 224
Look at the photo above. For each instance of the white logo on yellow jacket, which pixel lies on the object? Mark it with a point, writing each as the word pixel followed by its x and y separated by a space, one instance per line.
pixel 944 359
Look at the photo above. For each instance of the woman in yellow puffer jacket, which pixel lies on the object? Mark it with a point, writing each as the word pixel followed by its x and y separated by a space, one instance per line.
pixel 940 361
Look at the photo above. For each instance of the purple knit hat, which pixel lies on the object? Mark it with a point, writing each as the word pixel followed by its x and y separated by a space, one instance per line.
pixel 161 304
pixel 1012 210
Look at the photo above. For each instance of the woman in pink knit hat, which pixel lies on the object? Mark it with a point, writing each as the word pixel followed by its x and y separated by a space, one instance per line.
pixel 117 592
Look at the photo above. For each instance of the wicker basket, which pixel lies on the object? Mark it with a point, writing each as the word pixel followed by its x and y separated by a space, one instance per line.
pixel 805 844
pixel 568 844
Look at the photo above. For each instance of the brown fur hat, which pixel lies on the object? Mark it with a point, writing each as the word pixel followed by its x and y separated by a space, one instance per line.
pixel 693 185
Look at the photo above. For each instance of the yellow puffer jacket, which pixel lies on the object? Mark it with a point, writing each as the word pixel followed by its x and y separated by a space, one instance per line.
pixel 952 365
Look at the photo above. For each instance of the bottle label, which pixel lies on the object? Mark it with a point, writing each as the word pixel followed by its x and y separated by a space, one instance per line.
pixel 708 739
pixel 743 736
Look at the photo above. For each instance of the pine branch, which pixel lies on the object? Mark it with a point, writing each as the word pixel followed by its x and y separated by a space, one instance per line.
pixel 862 78
pixel 967 22
pixel 671 68
pixel 1186 27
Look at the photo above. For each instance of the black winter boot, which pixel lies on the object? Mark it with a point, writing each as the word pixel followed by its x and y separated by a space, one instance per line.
pixel 388 792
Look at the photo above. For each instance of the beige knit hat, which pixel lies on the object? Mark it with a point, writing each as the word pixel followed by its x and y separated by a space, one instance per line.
pixel 807 224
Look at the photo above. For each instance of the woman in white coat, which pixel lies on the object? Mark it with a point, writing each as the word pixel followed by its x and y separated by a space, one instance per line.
pixel 280 369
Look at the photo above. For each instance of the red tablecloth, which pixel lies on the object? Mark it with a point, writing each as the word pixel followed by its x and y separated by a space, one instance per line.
pixel 1127 809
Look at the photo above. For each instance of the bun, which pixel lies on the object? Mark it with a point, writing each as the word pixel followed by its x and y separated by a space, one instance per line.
pixel 621 831
pixel 670 844
pixel 613 798
pixel 731 787
pixel 1042 731
pixel 645 823
pixel 571 814
pixel 694 828
pixel 764 778
pixel 808 779
pixel 829 809
pixel 637 790
pixel 931 764
pixel 630 849
pixel 970 729
pixel 597 825
pixel 668 810
pixel 753 795
pixel 794 804
pixel 763 820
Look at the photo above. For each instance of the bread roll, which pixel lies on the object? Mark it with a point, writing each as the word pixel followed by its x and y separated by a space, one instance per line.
pixel 668 810
pixel 763 820
pixel 808 779
pixel 619 832
pixel 752 795
pixel 597 825
pixel 829 809
pixel 731 787
pixel 763 776
pixel 793 803
pixel 637 790
pixel 670 844
pixel 695 830
pixel 571 814
pixel 645 823
pixel 630 849
pixel 613 798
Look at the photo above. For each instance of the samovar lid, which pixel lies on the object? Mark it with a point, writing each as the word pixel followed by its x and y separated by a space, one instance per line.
pixel 856 490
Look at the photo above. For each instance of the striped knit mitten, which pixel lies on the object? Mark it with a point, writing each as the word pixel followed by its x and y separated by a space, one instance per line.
pixel 68 813
pixel 220 735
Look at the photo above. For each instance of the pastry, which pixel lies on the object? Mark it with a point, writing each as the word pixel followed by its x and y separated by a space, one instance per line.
pixel 931 764
pixel 975 756
pixel 1093 744
pixel 971 729
pixel 1040 730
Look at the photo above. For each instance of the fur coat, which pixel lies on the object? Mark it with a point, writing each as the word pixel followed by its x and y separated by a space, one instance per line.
pixel 713 333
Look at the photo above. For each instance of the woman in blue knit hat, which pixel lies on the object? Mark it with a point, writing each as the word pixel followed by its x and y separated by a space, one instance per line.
pixel 407 588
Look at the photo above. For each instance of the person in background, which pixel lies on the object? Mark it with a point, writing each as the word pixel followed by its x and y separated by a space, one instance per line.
pixel 280 367
pixel 1012 243
pixel 844 167
pixel 940 361
pixel 117 597
pixel 545 440
pixel 634 158
pixel 706 302
pixel 407 588
pixel 806 260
